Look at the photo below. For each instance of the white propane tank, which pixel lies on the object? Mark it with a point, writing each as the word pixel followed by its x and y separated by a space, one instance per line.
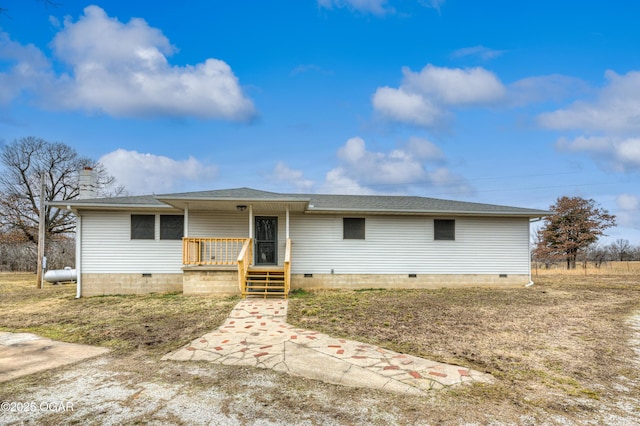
pixel 58 275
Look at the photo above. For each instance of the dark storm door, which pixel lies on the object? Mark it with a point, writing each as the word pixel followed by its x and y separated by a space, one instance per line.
pixel 266 240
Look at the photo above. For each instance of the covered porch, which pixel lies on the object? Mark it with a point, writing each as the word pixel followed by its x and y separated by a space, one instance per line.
pixel 229 254
pixel 246 240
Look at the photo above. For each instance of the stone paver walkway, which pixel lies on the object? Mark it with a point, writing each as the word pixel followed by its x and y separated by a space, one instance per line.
pixel 257 334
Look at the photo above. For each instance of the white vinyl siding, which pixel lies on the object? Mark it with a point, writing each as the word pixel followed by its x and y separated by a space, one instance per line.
pixel 218 224
pixel 393 244
pixel 405 244
pixel 107 246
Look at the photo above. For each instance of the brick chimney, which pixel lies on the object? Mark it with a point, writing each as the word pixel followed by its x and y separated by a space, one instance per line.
pixel 88 183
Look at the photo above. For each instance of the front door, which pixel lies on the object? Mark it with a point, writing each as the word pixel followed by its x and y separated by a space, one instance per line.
pixel 266 248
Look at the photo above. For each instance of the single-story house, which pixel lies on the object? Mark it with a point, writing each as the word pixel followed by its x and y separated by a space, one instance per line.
pixel 244 241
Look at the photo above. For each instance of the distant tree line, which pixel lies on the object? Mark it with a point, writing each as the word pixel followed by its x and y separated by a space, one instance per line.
pixel 18 254
pixel 620 250
pixel 597 254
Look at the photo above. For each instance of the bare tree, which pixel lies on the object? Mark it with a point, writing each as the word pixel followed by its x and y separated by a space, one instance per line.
pixel 575 224
pixel 15 253
pixel 24 161
pixel 597 254
pixel 539 256
pixel 621 249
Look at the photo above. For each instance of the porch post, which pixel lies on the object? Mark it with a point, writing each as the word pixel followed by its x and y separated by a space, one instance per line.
pixel 250 221
pixel 287 224
pixel 186 221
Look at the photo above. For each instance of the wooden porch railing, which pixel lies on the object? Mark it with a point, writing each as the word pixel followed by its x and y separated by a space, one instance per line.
pixel 244 261
pixel 287 268
pixel 212 251
pixel 230 251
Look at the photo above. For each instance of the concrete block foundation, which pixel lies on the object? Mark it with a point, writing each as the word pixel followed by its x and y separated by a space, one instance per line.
pixel 224 281
pixel 211 280
pixel 403 281
pixel 102 284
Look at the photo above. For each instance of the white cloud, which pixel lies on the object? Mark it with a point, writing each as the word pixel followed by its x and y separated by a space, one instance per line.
pixel 481 52
pixel 375 7
pixel 424 149
pixel 628 214
pixel 122 69
pixel 375 168
pixel 337 181
pixel 406 107
pixel 455 86
pixel 30 69
pixel 362 171
pixel 424 98
pixel 295 178
pixel 554 87
pixel 609 124
pixel 613 153
pixel 593 144
pixel 419 162
pixel 616 109
pixel 149 173
pixel 628 202
pixel 434 4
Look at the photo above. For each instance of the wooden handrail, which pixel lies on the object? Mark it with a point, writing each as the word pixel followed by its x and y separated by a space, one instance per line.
pixel 287 268
pixel 230 251
pixel 211 251
pixel 244 261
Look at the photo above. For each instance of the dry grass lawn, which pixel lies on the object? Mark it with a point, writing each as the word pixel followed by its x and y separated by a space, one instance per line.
pixel 557 347
pixel 149 324
pixel 605 269
pixel 560 349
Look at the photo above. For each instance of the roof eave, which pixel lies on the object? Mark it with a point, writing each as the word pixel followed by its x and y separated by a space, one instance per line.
pixel 529 214
pixel 102 206
pixel 234 199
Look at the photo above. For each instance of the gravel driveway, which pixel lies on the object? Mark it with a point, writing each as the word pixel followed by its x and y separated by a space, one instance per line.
pixel 110 390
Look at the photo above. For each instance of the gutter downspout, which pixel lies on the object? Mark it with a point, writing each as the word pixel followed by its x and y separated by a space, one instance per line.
pixel 530 283
pixel 529 258
pixel 287 224
pixel 185 231
pixel 78 255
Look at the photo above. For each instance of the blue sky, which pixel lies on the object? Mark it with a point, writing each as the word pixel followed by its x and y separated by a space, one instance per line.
pixel 501 102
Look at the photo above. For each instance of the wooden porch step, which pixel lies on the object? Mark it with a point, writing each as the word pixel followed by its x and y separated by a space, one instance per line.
pixel 265 287
pixel 266 276
pixel 265 282
pixel 264 293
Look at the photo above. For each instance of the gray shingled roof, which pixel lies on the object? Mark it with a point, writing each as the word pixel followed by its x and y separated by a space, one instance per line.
pixel 137 200
pixel 318 202
pixel 232 194
pixel 383 203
